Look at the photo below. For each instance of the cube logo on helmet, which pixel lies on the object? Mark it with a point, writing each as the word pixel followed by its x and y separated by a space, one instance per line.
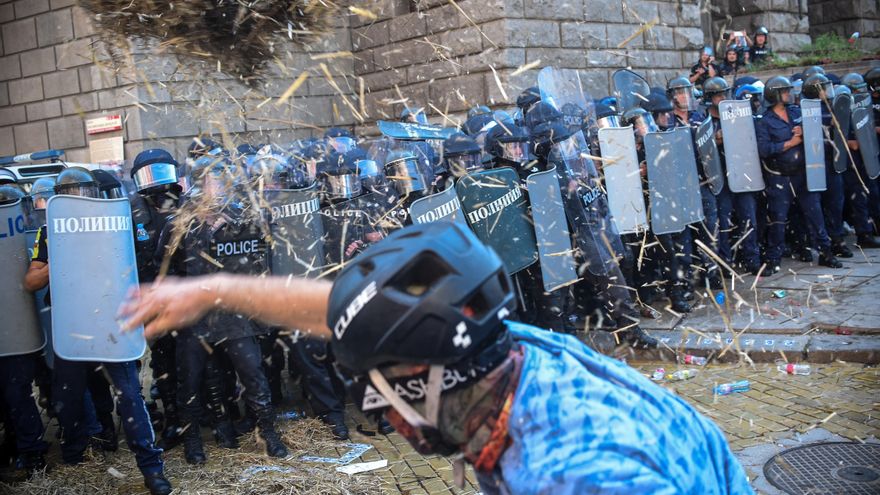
pixel 354 307
pixel 461 338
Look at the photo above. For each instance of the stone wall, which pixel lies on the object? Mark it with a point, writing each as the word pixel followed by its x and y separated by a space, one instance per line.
pixel 53 77
pixel 432 55
pixel 787 20
pixel 846 18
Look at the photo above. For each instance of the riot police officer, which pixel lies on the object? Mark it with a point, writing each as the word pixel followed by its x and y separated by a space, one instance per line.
pixel 681 92
pixel 225 238
pixel 780 144
pixel 743 204
pixel 23 424
pixel 565 148
pixel 818 87
pixel 676 247
pixel 153 203
pixel 865 204
pixel 71 377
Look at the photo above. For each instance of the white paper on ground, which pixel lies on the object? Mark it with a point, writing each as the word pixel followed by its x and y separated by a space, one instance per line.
pixel 362 467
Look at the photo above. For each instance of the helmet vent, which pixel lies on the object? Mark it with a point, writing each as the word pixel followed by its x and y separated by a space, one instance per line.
pixel 421 274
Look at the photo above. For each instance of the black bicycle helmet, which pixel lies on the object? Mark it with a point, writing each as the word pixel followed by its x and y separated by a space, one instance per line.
pixel 430 293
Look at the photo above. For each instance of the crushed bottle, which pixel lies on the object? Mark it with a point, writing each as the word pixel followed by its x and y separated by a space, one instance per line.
pixel 795 369
pixel 680 375
pixel 694 360
pixel 658 374
pixel 730 388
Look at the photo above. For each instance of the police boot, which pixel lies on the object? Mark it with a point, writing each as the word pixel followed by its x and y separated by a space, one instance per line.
pixel 640 339
pixel 384 427
pixel 805 255
pixel 268 434
pixel 336 421
pixel 246 424
pixel 171 435
pixel 192 445
pixel 32 462
pixel 157 484
pixel 713 278
pixel 828 259
pixel 224 434
pixel 866 241
pixel 108 439
pixel 677 301
pixel 840 249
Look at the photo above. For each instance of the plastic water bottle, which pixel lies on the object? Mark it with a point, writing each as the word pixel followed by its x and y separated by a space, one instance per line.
pixel 694 360
pixel 795 369
pixel 680 375
pixel 142 234
pixel 719 298
pixel 729 388
pixel 658 374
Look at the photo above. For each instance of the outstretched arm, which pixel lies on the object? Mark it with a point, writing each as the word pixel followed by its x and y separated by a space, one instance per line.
pixel 177 303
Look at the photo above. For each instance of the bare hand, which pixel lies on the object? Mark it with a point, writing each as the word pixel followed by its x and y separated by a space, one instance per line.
pixel 798 131
pixel 166 305
pixel 796 140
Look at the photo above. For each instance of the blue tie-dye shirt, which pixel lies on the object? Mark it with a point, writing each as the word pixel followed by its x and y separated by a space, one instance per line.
pixel 584 423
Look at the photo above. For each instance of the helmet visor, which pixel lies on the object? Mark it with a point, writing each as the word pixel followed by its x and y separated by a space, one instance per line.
pixel 343 186
pixel 155 174
pixel 515 151
pixel 683 98
pixel 464 164
pixel 609 121
pixel 83 190
pixel 342 144
pixel 664 120
pixel 405 175
pixel 644 124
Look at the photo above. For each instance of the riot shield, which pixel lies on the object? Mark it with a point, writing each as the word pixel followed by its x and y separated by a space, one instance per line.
pixel 741 153
pixel 673 181
pixel 551 230
pixel 441 206
pixel 623 181
pixel 351 226
pixel 566 90
pixel 44 311
pixel 814 144
pixel 410 131
pixel 710 159
pixel 20 332
pixel 842 109
pixel 630 89
pixel 498 212
pixel 297 231
pixel 91 269
pixel 863 125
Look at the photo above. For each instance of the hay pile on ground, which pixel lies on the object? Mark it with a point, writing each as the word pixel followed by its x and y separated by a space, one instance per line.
pixel 242 471
pixel 239 36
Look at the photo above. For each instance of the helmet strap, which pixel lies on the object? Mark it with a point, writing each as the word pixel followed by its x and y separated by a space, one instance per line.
pixel 432 397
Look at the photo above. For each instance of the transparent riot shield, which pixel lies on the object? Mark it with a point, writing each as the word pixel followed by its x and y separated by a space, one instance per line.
pixel 742 159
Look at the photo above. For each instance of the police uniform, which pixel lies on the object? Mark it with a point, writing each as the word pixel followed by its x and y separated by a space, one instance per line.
pixel 70 383
pixel 787 182
pixel 231 244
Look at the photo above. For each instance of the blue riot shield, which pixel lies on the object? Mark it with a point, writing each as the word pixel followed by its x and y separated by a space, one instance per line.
pixel 20 332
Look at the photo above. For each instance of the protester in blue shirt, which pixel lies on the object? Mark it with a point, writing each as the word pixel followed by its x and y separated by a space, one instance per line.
pixel 419 330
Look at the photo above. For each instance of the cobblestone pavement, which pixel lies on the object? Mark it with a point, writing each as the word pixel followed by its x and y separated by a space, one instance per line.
pixel 840 398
